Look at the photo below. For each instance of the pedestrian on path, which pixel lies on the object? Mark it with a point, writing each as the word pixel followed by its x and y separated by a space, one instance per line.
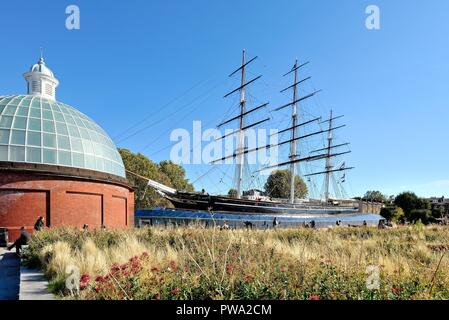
pixel 21 241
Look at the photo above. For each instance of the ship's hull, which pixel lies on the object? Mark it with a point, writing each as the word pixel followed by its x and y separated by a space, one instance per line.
pixel 191 201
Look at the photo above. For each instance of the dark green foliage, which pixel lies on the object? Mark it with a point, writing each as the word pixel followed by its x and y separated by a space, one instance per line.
pixel 375 196
pixel 166 172
pixel 278 185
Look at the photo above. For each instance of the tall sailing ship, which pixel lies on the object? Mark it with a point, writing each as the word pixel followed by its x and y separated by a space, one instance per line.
pixel 241 204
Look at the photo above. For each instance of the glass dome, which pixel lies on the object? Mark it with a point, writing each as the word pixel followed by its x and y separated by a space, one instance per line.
pixel 37 130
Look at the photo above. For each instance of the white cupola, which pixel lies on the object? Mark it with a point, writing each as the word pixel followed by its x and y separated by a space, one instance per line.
pixel 41 81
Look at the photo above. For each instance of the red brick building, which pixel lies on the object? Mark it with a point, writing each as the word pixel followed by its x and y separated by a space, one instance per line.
pixel 57 163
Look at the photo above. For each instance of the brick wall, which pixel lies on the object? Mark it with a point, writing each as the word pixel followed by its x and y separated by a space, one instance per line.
pixel 62 201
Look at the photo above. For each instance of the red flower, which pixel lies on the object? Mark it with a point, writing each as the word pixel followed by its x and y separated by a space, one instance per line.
pixel 97 289
pixel 115 267
pixel 186 269
pixel 144 255
pixel 395 290
pixel 83 286
pixel 99 279
pixel 314 297
pixel 175 291
pixel 172 265
pixel 85 278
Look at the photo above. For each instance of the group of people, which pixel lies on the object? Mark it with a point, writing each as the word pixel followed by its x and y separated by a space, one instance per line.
pixel 25 236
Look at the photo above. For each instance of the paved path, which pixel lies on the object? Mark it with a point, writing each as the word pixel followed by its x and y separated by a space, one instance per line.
pixel 20 283
pixel 9 275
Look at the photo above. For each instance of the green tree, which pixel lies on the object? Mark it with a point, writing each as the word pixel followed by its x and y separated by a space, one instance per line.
pixel 375 196
pixel 415 208
pixel 177 176
pixel 392 213
pixel 166 173
pixel 278 185
pixel 232 193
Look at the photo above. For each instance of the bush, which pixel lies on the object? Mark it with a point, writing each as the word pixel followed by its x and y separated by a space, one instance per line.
pixel 423 215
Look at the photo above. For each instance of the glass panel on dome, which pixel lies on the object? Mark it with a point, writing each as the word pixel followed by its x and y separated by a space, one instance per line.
pixel 100 164
pixel 16 101
pixel 58 116
pixel 34 138
pixel 4 136
pixel 26 102
pixel 61 128
pixel 34 124
pixel 1 108
pixel 84 133
pixel 49 140
pixel 45 105
pixel 73 131
pixel 34 154
pixel 3 153
pixel 20 123
pixel 6 122
pixel 36 113
pixel 79 122
pixel 18 137
pixel 69 120
pixel 107 165
pixel 55 107
pixel 77 145
pixel 23 111
pixel 90 162
pixel 48 126
pixel 87 146
pixel 50 156
pixel 78 159
pixel 64 158
pixel 46 114
pixel 16 153
pixel 9 110
pixel 36 103
pixel 63 142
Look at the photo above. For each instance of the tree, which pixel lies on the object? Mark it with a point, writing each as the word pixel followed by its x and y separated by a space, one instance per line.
pixel 166 173
pixel 232 193
pixel 392 213
pixel 375 196
pixel 176 174
pixel 278 185
pixel 415 208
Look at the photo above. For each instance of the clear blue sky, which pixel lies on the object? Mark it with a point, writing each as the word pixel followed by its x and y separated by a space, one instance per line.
pixel 165 64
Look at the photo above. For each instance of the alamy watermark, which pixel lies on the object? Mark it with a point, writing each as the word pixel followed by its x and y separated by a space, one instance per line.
pixel 73 21
pixel 372 22
pixel 214 146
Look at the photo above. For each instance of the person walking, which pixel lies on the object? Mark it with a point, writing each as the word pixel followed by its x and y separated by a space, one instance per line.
pixel 40 223
pixel 20 241
pixel 275 222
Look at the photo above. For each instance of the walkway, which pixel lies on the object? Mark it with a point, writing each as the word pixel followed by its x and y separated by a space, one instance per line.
pixel 9 275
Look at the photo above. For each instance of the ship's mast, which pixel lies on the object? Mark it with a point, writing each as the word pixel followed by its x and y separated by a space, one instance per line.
pixel 294 127
pixel 328 167
pixel 241 135
pixel 294 142
pixel 240 151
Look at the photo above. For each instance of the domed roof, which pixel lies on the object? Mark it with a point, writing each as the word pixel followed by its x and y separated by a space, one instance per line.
pixel 42 68
pixel 34 129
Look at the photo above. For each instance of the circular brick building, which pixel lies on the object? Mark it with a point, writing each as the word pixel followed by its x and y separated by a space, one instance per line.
pixel 57 163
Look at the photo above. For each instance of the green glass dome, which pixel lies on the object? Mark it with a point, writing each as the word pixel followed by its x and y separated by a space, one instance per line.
pixel 34 129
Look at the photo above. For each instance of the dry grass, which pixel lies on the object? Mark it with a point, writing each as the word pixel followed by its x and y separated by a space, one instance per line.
pixel 198 263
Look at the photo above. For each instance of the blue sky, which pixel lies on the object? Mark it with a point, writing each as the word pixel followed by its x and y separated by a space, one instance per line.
pixel 144 68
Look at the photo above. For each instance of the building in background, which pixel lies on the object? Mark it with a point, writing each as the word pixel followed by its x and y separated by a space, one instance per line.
pixel 57 163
